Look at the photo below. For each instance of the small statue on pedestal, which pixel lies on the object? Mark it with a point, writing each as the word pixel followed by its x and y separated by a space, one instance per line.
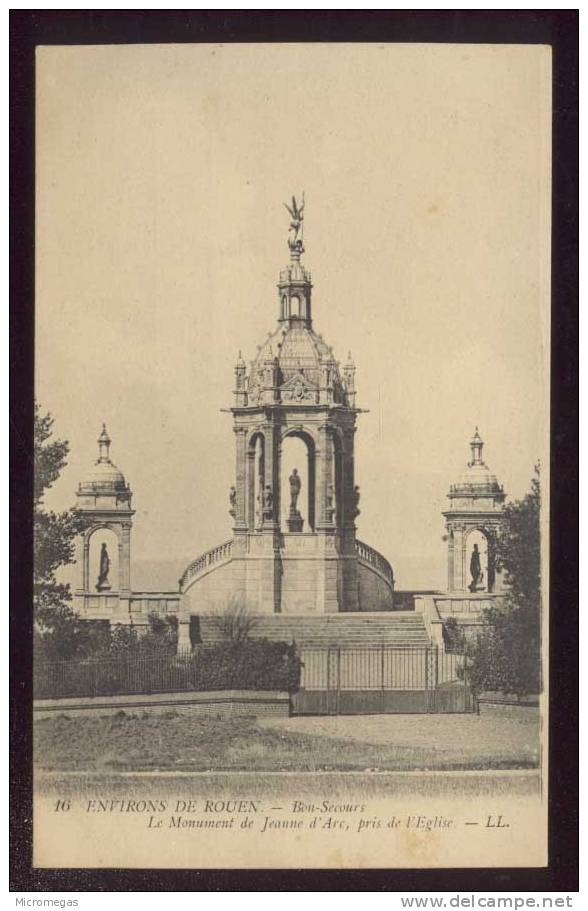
pixel 355 502
pixel 330 508
pixel 103 585
pixel 296 210
pixel 295 485
pixel 233 502
pixel 476 570
pixel 295 520
pixel 268 503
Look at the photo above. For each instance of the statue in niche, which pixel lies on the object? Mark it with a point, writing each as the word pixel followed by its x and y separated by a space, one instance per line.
pixel 475 570
pixel 295 485
pixel 102 584
pixel 355 502
pixel 330 509
pixel 233 502
pixel 268 503
pixel 259 508
pixel 294 242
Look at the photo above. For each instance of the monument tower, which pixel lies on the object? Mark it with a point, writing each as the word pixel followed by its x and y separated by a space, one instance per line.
pixel 104 543
pixel 301 555
pixel 473 521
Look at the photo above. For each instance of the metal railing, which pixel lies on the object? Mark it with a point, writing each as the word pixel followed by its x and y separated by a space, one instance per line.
pixel 231 665
pixel 109 676
pixel 380 668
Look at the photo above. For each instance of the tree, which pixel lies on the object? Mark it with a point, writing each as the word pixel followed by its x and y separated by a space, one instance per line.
pixel 58 630
pixel 236 622
pixel 507 654
pixel 54 533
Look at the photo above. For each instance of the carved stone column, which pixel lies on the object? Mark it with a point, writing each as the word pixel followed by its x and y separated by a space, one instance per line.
pixel 272 472
pixel 348 479
pixel 251 504
pixel 240 486
pixel 451 561
pixel 459 559
pixel 325 477
pixel 124 558
pixel 83 560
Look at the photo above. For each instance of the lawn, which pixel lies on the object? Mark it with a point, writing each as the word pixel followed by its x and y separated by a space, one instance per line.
pixel 144 742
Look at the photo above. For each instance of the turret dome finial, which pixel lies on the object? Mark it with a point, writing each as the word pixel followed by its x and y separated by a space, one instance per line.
pixel 295 243
pixel 104 445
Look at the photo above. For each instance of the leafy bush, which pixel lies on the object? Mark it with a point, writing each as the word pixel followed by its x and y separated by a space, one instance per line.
pixel 506 655
pixel 253 664
pixel 70 637
pixel 161 638
pixel 453 636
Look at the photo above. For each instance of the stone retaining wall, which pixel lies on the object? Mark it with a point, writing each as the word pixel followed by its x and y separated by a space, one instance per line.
pixel 218 702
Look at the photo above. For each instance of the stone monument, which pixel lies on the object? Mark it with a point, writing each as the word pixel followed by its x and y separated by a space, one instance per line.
pixel 295 520
pixel 473 520
pixel 284 560
pixel 103 585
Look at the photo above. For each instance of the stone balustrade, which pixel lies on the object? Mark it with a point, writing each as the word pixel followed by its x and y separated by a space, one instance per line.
pixel 223 552
pixel 375 559
pixel 209 558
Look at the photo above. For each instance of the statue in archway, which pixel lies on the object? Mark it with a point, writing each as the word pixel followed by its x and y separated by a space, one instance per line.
pixel 268 503
pixel 355 502
pixel 295 485
pixel 475 569
pixel 330 510
pixel 102 584
pixel 233 502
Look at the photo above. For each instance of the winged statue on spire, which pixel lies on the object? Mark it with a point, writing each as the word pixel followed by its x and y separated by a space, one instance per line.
pixel 297 217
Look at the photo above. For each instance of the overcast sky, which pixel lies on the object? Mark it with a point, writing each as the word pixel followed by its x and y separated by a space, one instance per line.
pixel 161 231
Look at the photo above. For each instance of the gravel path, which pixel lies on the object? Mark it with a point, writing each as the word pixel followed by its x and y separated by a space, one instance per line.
pixel 484 736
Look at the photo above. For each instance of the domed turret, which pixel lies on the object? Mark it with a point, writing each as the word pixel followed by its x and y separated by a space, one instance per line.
pixel 473 521
pixel 294 364
pixel 104 504
pixel 477 480
pixel 105 477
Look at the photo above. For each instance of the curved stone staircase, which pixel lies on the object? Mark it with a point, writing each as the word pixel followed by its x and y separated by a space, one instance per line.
pixel 222 553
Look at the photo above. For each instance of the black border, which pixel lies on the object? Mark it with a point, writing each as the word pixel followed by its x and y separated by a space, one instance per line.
pixel 556 28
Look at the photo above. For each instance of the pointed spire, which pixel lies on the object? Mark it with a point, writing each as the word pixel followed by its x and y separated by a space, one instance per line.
pixel 104 445
pixel 295 282
pixel 240 381
pixel 476 445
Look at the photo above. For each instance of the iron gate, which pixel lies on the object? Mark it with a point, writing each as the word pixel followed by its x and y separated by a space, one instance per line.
pixel 346 680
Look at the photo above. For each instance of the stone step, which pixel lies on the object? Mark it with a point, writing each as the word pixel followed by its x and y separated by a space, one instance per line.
pixel 406 630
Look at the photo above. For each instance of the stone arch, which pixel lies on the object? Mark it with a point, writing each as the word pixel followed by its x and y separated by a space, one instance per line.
pixel 338 485
pixel 255 454
pixel 308 496
pixel 477 536
pixel 110 533
pixel 111 526
pixel 301 430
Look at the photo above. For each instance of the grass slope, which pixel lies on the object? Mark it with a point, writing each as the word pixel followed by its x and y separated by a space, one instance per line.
pixel 187 743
